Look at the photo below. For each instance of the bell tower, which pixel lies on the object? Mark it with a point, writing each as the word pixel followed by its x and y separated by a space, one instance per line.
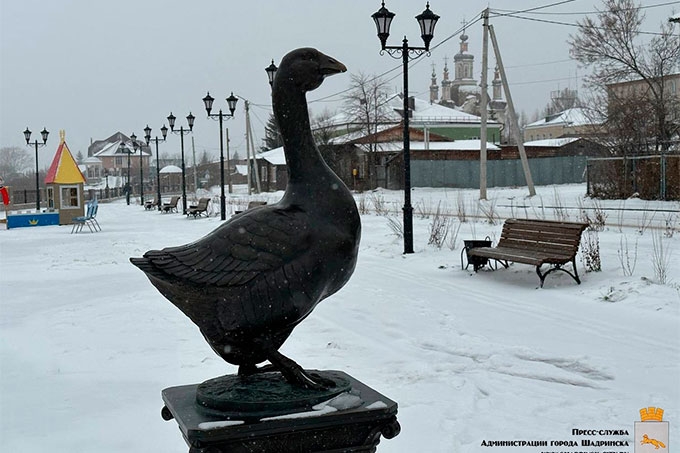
pixel 434 89
pixel 497 85
pixel 463 63
pixel 446 83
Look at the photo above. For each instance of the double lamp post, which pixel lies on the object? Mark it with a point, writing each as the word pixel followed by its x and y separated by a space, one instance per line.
pixel 182 132
pixel 138 146
pixel 147 137
pixel 427 21
pixel 123 148
pixel 231 102
pixel 27 134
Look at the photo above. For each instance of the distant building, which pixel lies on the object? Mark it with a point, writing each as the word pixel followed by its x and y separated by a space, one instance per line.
pixel 638 88
pixel 574 122
pixel 449 122
pixel 642 89
pixel 106 163
pixel 463 92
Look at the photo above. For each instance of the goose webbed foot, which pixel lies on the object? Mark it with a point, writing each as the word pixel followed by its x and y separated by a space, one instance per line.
pixel 296 375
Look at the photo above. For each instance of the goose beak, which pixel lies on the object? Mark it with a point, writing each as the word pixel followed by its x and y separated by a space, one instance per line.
pixel 330 66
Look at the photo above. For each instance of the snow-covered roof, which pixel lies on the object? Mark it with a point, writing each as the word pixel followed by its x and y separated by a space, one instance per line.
pixel 241 169
pixel 354 135
pixel 424 112
pixel 551 142
pixel 170 169
pixel 457 145
pixel 427 112
pixel 274 156
pixel 111 150
pixel 92 160
pixel 571 117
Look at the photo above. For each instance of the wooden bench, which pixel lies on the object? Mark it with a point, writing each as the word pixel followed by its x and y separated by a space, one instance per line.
pixel 150 205
pixel 199 209
pixel 537 242
pixel 172 206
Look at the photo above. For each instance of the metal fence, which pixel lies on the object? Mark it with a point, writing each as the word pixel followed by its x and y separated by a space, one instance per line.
pixel 25 198
pixel 500 173
pixel 648 177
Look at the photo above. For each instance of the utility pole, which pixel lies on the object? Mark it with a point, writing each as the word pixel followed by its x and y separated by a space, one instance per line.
pixel 484 101
pixel 248 166
pixel 193 150
pixel 250 148
pixel 513 115
pixel 226 131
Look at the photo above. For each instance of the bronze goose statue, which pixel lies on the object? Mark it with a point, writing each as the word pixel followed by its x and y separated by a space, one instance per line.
pixel 248 283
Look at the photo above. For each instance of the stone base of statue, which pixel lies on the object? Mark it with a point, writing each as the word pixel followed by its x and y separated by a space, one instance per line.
pixel 263 413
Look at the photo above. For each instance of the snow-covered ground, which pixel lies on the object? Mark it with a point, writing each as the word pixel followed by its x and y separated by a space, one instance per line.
pixel 87 343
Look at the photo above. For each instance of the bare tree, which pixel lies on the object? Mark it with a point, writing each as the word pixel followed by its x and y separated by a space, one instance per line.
pixel 14 161
pixel 323 127
pixel 365 107
pixel 611 44
pixel 561 100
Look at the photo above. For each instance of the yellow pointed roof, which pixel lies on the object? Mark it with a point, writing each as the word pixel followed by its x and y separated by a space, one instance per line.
pixel 64 169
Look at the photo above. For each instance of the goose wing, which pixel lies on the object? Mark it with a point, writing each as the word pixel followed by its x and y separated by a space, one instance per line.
pixel 255 242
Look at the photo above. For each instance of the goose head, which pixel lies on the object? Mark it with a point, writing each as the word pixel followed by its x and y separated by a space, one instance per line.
pixel 306 68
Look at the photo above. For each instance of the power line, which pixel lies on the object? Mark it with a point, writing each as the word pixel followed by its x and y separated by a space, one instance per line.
pixel 531 10
pixel 539 64
pixel 583 13
pixel 555 22
pixel 545 81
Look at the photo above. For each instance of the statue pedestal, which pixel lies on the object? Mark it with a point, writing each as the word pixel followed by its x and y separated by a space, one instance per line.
pixel 351 422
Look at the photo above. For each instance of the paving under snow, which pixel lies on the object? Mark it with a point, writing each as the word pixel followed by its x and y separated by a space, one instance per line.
pixel 87 343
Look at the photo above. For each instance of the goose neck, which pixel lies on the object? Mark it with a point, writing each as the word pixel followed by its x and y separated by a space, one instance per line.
pixel 292 117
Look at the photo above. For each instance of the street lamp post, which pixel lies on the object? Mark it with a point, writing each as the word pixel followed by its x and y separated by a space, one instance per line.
pixel 137 146
pixel 27 134
pixel 126 150
pixel 231 102
pixel 147 137
pixel 182 132
pixel 427 21
pixel 271 72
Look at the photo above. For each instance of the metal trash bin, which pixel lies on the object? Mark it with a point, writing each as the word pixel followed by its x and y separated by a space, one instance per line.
pixel 477 262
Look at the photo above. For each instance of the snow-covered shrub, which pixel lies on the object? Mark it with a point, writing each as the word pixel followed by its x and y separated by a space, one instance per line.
pixel 597 220
pixel 661 257
pixel 590 251
pixel 379 204
pixel 488 208
pixel 424 209
pixel 627 262
pixel 439 228
pixel 396 226
pixel 363 205
pixel 561 213
pixel 453 237
pixel 461 211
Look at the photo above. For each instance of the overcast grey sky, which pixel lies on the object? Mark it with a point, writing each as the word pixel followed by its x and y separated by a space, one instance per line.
pixel 93 68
